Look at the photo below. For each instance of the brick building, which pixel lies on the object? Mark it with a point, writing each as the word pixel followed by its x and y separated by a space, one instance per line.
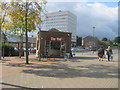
pixel 53 43
pixel 15 40
pixel 90 42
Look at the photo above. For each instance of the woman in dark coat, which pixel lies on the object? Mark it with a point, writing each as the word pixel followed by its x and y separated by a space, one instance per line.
pixel 100 53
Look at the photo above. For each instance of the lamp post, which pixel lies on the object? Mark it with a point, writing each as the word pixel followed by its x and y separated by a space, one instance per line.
pixel 93 36
pixel 0 42
pixel 26 32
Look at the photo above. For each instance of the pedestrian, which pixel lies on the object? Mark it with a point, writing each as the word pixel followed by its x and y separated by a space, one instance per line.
pixel 9 51
pixel 109 52
pixel 100 53
pixel 65 57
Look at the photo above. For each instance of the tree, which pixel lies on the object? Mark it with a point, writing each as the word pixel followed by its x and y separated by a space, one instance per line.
pixel 31 14
pixel 103 44
pixel 104 39
pixel 3 21
pixel 24 16
pixel 79 41
pixel 117 40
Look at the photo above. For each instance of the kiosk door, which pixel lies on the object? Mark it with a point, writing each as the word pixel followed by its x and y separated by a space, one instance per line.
pixel 47 47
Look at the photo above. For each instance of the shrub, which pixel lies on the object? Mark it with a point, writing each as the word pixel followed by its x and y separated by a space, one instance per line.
pixel 8 49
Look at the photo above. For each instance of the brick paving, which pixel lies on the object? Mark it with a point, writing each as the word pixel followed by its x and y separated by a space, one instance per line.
pixel 82 71
pixel 20 63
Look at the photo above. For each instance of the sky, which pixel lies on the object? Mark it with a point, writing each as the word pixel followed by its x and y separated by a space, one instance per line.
pixel 101 14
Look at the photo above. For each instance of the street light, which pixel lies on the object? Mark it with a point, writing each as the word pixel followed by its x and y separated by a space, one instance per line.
pixel 26 32
pixel 0 41
pixel 93 36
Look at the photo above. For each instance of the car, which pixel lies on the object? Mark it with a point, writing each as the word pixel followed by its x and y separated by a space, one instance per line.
pixel 88 49
pixel 77 49
pixel 73 49
pixel 13 51
pixel 33 50
pixel 15 48
pixel 73 54
pixel 23 49
pixel 94 50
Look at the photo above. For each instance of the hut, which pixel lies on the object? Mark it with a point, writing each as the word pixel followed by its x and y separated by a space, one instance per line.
pixel 53 43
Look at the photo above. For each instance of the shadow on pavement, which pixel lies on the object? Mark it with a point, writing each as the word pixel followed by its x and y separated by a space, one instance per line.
pixel 5 60
pixel 85 58
pixel 63 70
pixel 21 65
pixel 60 70
pixel 16 86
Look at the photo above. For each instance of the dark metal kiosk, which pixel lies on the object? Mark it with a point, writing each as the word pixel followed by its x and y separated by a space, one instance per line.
pixel 53 43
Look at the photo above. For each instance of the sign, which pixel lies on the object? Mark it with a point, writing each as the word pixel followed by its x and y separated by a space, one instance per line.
pixel 55 38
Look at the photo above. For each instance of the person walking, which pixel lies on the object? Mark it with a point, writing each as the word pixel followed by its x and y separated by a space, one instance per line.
pixel 9 51
pixel 109 52
pixel 100 53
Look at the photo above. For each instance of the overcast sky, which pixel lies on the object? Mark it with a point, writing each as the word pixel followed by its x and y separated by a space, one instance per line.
pixel 102 15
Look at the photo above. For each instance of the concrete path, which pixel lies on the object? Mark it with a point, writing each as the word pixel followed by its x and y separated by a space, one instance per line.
pixel 82 71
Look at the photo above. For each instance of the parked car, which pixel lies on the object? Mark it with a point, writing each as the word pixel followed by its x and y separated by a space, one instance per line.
pixel 32 50
pixel 73 54
pixel 73 49
pixel 23 49
pixel 12 51
pixel 77 49
pixel 93 49
pixel 88 49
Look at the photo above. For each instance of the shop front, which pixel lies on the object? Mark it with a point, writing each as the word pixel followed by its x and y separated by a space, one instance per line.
pixel 53 44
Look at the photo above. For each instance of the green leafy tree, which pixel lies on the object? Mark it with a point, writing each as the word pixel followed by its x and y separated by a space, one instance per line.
pixel 103 44
pixel 3 22
pixel 117 40
pixel 79 41
pixel 104 39
pixel 22 14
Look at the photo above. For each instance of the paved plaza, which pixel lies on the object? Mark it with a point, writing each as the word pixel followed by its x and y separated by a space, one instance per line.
pixel 82 71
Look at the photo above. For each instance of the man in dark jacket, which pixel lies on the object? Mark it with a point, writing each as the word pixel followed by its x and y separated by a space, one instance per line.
pixel 109 52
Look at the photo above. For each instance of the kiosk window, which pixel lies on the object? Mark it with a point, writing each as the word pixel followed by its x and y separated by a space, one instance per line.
pixel 55 45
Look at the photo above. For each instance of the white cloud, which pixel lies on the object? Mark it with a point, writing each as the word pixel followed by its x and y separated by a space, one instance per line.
pixel 71 0
pixel 82 0
pixel 100 15
pixel 104 18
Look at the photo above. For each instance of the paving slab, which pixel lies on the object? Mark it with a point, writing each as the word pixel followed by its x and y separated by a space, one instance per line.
pixel 82 71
